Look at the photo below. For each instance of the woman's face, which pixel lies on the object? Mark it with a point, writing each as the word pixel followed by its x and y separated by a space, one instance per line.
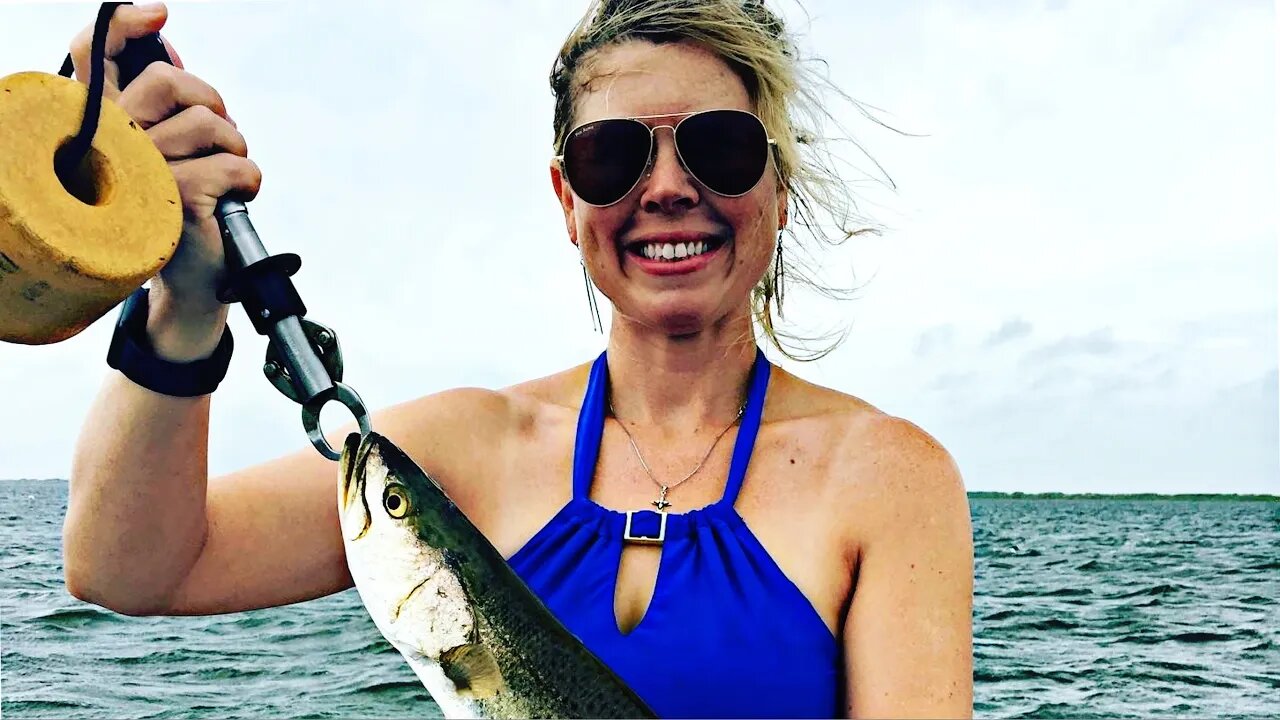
pixel 635 79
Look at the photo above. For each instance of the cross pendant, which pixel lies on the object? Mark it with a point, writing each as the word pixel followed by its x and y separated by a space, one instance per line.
pixel 661 503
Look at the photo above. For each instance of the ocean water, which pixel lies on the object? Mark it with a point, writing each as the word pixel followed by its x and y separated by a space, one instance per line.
pixel 1083 608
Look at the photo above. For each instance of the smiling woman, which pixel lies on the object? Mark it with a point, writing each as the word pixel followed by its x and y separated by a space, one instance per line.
pixel 821 555
pixel 779 103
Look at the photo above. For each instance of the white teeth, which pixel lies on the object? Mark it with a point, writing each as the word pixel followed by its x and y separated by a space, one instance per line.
pixel 673 251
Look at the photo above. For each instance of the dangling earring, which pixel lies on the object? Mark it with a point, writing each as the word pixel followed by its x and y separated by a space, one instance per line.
pixel 778 272
pixel 596 323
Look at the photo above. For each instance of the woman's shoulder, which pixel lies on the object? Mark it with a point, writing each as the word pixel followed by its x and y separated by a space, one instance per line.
pixel 882 458
pixel 468 437
pixel 496 410
pixel 546 400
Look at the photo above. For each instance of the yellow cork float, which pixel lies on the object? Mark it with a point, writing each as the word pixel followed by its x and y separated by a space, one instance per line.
pixel 72 248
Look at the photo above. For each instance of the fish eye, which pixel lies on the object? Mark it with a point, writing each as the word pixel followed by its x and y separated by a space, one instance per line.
pixel 395 499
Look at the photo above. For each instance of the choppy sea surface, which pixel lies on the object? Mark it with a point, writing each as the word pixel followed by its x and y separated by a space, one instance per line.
pixel 1083 608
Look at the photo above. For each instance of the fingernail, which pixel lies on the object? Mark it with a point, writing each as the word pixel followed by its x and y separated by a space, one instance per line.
pixel 149 7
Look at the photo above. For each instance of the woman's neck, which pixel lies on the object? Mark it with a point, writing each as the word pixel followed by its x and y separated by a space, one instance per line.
pixel 680 384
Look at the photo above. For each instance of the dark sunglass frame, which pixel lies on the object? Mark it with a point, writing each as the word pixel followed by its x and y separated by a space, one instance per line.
pixel 651 130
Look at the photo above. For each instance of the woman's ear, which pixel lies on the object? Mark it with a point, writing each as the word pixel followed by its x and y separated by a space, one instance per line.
pixel 565 196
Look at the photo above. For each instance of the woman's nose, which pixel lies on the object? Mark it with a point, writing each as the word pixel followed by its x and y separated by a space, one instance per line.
pixel 668 185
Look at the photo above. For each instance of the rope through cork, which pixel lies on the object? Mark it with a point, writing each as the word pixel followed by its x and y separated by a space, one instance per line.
pixel 69 157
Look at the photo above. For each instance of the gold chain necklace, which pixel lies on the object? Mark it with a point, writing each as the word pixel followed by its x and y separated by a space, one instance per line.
pixel 661 503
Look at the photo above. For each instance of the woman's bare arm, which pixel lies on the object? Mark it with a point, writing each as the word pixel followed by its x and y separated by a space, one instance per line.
pixel 908 634
pixel 147 533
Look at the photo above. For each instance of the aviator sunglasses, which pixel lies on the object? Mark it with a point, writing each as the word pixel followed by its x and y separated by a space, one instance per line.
pixel 726 151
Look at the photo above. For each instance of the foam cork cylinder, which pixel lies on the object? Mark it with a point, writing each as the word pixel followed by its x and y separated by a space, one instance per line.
pixel 69 252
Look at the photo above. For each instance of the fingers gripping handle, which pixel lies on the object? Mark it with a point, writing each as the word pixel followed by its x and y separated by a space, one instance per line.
pixel 137 54
pixel 261 283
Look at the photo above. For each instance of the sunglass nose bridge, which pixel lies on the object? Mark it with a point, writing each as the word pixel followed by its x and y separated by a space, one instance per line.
pixel 665 147
pixel 659 145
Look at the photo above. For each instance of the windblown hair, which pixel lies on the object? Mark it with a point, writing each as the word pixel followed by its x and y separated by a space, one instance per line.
pixel 755 43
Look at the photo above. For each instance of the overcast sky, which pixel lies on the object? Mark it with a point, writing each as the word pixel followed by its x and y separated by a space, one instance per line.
pixel 1075 290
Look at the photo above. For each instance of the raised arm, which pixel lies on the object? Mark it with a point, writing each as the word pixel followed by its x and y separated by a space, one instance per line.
pixel 147 531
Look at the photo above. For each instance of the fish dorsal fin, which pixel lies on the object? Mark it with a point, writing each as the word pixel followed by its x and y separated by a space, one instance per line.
pixel 473 669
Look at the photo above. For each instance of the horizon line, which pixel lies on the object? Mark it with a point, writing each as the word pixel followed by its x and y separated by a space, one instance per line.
pixel 999 494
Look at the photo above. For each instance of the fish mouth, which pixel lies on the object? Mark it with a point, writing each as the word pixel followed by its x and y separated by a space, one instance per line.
pixel 348 464
pixel 355 455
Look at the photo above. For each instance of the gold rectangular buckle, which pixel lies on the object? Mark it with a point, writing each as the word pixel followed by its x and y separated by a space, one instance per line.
pixel 646 539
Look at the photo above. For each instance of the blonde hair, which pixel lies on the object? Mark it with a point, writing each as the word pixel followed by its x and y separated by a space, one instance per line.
pixel 755 43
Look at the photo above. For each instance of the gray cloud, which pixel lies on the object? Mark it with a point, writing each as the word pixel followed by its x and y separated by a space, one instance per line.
pixel 1136 381
pixel 1012 329
pixel 1228 325
pixel 1114 442
pixel 934 340
pixel 1262 392
pixel 1056 378
pixel 953 381
pixel 1097 342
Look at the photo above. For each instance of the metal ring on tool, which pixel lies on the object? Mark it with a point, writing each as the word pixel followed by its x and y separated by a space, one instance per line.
pixel 311 416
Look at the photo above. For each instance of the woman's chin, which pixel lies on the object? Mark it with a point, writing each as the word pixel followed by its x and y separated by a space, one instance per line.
pixel 677 317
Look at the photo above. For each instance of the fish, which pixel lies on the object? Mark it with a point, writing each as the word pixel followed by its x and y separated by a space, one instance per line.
pixel 482 643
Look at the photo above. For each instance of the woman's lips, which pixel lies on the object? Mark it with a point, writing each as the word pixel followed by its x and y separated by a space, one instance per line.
pixel 681 266
pixel 674 243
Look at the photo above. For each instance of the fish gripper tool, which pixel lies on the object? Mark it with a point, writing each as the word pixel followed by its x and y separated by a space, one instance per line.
pixel 303 360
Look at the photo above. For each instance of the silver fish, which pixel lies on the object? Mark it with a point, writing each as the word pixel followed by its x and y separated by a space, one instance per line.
pixel 481 642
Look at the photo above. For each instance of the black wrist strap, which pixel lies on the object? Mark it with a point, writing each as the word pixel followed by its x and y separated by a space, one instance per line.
pixel 131 354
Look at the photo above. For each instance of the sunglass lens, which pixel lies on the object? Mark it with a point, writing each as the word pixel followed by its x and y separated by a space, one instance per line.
pixel 603 160
pixel 727 150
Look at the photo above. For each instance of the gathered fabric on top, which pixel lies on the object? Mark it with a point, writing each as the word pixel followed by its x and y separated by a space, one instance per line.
pixel 727 633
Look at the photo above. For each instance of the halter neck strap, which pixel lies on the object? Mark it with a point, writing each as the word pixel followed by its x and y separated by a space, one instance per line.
pixel 747 431
pixel 586 449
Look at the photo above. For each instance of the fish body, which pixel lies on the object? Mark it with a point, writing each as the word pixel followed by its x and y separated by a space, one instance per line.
pixel 483 644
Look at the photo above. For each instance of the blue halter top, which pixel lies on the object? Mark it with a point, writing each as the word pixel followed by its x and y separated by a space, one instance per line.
pixel 726 633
